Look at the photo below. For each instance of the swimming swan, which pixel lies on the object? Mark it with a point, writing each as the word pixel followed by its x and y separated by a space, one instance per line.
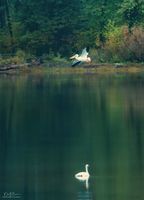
pixel 83 176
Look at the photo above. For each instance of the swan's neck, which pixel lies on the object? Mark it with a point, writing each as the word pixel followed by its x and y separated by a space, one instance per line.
pixel 86 167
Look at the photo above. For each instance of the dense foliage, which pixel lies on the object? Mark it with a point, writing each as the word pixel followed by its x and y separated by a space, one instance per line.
pixel 59 27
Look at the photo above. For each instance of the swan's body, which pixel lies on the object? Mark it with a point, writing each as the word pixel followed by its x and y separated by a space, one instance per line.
pixel 82 58
pixel 83 176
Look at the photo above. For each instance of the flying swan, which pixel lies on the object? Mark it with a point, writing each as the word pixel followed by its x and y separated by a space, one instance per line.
pixel 82 58
pixel 83 176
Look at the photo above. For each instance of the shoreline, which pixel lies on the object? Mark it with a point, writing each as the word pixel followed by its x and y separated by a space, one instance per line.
pixel 100 68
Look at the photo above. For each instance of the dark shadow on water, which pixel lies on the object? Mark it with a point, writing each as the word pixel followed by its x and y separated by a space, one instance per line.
pixel 52 126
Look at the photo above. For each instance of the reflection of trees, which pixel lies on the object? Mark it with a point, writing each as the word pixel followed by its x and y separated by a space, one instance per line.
pixel 134 116
pixel 7 102
pixel 68 122
pixel 125 124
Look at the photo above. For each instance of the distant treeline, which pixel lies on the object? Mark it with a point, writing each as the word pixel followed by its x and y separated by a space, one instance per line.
pixel 112 29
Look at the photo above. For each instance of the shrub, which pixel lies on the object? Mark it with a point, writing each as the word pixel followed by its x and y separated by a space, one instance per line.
pixel 122 45
pixel 52 60
pixel 5 42
pixel 133 44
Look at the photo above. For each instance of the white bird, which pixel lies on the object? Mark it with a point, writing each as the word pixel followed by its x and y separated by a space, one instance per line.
pixel 83 176
pixel 82 58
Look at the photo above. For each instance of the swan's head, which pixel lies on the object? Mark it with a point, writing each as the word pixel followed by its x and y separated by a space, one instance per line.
pixel 87 165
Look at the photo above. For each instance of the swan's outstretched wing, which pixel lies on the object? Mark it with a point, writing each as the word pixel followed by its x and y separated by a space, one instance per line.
pixel 75 62
pixel 84 53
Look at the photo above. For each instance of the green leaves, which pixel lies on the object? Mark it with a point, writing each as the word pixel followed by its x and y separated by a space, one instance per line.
pixel 64 26
pixel 132 12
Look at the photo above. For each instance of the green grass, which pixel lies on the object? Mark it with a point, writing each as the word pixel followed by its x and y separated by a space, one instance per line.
pixel 85 69
pixel 102 69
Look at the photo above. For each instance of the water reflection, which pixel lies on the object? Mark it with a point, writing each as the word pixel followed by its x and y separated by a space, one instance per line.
pixel 85 195
pixel 49 126
pixel 87 183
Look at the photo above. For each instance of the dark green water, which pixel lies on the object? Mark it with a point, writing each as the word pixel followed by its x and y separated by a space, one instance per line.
pixel 51 126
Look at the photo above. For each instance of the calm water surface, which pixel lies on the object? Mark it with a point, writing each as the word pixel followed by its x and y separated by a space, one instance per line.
pixel 51 126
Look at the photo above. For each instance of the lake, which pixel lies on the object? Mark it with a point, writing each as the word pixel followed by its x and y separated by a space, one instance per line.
pixel 52 125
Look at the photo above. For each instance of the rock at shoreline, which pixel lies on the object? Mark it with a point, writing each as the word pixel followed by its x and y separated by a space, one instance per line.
pixel 119 65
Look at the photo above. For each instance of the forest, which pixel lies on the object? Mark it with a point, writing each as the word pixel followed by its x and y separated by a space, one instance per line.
pixel 113 30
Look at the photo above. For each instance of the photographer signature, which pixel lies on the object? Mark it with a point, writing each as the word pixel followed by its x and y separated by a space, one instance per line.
pixel 11 195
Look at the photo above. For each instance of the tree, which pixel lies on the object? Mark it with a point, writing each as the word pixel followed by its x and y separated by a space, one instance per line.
pixel 53 21
pixel 98 13
pixel 5 18
pixel 132 12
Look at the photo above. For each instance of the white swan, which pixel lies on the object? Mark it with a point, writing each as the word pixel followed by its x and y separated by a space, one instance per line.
pixel 83 176
pixel 82 58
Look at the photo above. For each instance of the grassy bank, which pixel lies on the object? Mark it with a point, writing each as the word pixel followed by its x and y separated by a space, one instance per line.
pixel 58 65
pixel 91 69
